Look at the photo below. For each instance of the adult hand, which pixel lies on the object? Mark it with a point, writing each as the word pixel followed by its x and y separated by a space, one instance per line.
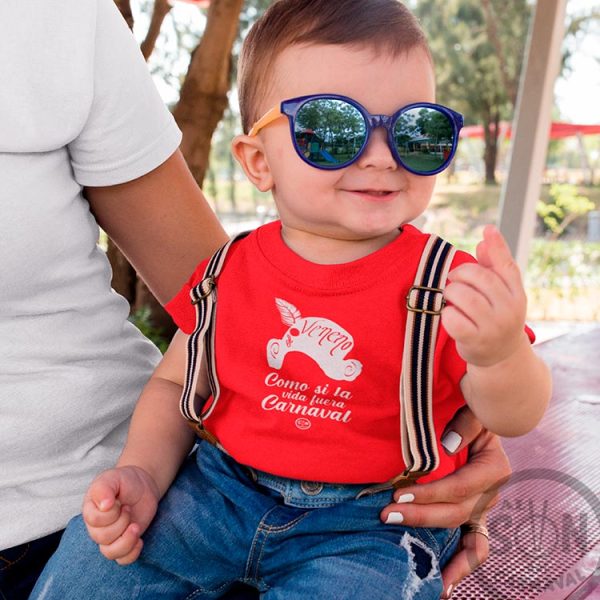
pixel 117 509
pixel 465 495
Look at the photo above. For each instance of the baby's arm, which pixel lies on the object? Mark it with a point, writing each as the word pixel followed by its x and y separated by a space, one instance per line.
pixel 506 385
pixel 121 502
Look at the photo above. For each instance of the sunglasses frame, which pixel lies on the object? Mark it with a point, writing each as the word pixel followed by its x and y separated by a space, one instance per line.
pixel 291 107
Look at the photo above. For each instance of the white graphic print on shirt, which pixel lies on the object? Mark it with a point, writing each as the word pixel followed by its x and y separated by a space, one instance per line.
pixel 324 341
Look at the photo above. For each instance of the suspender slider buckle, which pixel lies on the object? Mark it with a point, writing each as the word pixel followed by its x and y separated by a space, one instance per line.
pixel 406 478
pixel 416 309
pixel 202 433
pixel 204 289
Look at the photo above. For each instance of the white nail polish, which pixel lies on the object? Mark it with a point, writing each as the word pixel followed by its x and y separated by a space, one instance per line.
pixel 451 441
pixel 405 498
pixel 449 591
pixel 394 518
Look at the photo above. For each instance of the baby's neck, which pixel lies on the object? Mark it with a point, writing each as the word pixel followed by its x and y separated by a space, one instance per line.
pixel 326 250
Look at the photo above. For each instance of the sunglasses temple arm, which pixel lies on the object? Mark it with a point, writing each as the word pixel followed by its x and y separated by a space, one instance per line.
pixel 267 118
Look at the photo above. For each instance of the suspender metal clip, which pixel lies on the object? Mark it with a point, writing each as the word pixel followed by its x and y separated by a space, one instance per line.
pixel 414 308
pixel 406 478
pixel 204 290
pixel 202 433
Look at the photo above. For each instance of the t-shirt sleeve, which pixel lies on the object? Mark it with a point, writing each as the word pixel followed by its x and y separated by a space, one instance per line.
pixel 129 131
pixel 180 307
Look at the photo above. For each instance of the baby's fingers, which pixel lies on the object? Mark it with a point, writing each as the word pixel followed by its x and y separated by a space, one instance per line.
pixel 457 324
pixel 103 492
pixel 493 252
pixel 124 546
pixel 95 517
pixel 133 555
pixel 108 534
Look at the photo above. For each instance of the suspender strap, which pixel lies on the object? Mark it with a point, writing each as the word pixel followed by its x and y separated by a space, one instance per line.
pixel 424 302
pixel 204 298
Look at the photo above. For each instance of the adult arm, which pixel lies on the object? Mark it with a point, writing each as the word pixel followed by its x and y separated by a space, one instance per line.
pixel 161 222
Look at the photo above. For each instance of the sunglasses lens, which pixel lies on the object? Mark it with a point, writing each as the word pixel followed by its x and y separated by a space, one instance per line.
pixel 329 133
pixel 424 139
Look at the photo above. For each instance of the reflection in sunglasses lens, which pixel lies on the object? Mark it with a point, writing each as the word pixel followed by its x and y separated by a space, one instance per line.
pixel 329 132
pixel 424 138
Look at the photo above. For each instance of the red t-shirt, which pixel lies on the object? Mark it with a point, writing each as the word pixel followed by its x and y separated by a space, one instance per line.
pixel 308 359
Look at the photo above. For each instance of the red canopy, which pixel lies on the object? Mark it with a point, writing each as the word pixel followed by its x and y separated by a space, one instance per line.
pixel 557 130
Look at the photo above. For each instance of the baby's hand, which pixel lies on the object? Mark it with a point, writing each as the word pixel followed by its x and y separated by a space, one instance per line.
pixel 488 304
pixel 117 509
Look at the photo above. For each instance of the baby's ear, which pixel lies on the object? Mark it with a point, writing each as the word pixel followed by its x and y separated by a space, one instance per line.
pixel 249 152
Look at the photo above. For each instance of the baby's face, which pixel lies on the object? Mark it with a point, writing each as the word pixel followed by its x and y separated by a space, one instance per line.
pixel 374 196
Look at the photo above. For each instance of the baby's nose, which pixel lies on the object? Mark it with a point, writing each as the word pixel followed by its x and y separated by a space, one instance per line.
pixel 377 154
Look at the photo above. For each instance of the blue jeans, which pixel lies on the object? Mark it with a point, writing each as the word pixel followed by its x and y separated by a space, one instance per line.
pixel 219 525
pixel 21 565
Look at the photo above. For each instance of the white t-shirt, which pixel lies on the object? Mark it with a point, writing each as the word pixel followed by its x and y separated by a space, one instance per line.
pixel 77 107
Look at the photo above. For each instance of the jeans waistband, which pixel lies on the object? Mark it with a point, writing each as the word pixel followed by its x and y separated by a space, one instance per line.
pixel 314 494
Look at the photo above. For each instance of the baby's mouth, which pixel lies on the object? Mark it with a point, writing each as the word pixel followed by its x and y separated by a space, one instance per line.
pixel 374 193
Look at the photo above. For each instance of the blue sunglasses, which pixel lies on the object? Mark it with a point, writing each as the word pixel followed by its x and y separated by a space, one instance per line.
pixel 331 132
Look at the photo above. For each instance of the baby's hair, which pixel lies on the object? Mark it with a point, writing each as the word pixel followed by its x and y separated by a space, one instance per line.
pixel 383 25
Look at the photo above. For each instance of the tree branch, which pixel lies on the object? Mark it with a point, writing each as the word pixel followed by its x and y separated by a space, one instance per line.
pixel 160 11
pixel 125 9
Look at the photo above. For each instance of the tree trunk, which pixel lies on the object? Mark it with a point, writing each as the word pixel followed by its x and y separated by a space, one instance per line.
pixel 202 103
pixel 203 96
pixel 123 274
pixel 159 318
pixel 491 125
pixel 510 84
pixel 124 279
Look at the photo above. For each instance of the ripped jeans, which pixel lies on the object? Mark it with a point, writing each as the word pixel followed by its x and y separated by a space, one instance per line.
pixel 291 540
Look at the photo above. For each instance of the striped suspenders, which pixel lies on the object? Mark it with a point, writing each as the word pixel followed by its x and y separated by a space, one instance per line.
pixel 202 341
pixel 424 303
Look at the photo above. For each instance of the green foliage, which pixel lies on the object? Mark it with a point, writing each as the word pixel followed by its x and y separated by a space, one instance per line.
pixel 563 207
pixel 562 278
pixel 568 271
pixel 478 52
pixel 142 319
pixel 558 264
pixel 478 49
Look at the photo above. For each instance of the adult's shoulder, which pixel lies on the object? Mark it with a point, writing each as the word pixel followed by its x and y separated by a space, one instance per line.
pixel 45 69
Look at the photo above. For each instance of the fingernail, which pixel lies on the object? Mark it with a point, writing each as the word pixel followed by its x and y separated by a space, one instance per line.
pixel 451 441
pixel 405 498
pixel 394 518
pixel 103 505
pixel 449 591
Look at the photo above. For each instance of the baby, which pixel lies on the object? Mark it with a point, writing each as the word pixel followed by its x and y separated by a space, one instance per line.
pixel 322 379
